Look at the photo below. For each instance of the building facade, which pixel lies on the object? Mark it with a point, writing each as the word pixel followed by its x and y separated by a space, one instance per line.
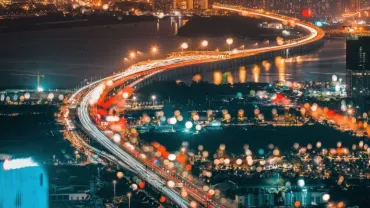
pixel 23 184
pixel 274 195
pixel 317 8
pixel 190 4
pixel 355 5
pixel 358 71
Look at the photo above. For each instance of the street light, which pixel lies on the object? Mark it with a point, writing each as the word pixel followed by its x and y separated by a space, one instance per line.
pixel 204 43
pixel 124 62
pixel 154 51
pixel 229 42
pixel 171 184
pixel 193 204
pixel 188 125
pixel 172 157
pixel 184 46
pixel 114 187
pixel 125 95
pixel 301 182
pixel 326 197
pixel 153 98
pixel 129 199
pixel 132 54
pixel 134 98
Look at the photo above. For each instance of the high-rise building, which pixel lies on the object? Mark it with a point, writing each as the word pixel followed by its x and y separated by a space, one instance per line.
pixel 317 8
pixel 364 4
pixel 163 5
pixel 358 71
pixel 23 183
pixel 180 4
pixel 190 4
pixel 205 4
pixel 200 4
pixel 340 6
pixel 355 5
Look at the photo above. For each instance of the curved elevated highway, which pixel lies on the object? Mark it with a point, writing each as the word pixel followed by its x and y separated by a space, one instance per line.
pixel 87 96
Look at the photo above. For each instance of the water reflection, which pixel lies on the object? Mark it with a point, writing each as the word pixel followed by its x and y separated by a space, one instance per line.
pixel 280 65
pixel 298 59
pixel 277 69
pixel 256 73
pixel 223 77
pixel 176 23
pixel 266 65
pixel 217 77
pixel 242 74
pixel 183 22
pixel 276 72
pixel 229 78
pixel 197 78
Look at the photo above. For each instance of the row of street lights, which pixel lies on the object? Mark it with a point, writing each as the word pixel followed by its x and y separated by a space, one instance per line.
pixel 128 194
pixel 134 54
pixel 229 42
pixel 154 49
pixel 184 46
pixel 204 44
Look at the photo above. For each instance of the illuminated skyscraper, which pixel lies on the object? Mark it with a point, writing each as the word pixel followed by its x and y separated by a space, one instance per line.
pixel 317 8
pixel 163 5
pixel 23 184
pixel 364 4
pixel 340 6
pixel 358 70
pixel 355 5
pixel 190 4
pixel 200 4
pixel 180 4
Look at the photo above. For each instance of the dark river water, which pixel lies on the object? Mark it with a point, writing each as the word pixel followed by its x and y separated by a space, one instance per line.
pixel 319 65
pixel 68 56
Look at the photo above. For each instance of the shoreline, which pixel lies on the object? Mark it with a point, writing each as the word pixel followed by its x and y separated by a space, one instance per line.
pixel 44 22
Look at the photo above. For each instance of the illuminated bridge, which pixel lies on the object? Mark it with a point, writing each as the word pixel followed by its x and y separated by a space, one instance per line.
pixel 88 97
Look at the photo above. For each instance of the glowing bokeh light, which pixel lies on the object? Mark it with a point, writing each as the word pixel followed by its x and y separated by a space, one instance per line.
pixel 325 197
pixel 188 124
pixel 172 157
